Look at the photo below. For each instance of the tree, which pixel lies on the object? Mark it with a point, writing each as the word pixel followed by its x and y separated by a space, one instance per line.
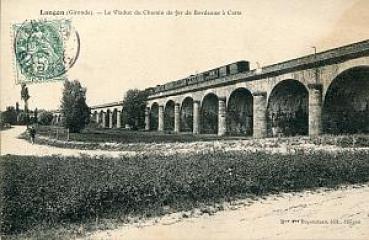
pixel 9 116
pixel 74 109
pixel 35 113
pixel 17 107
pixel 33 116
pixel 44 117
pixel 134 104
pixel 25 96
pixel 22 118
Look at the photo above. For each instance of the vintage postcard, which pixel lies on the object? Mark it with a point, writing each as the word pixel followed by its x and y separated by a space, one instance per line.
pixel 184 120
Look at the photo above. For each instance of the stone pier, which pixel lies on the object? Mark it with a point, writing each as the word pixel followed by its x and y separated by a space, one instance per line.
pixel 103 123
pixel 147 118
pixel 119 119
pixel 222 128
pixel 196 117
pixel 161 118
pixel 315 109
pixel 110 115
pixel 177 118
pixel 259 112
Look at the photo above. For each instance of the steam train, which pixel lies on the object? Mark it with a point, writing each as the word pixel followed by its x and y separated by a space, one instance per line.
pixel 230 69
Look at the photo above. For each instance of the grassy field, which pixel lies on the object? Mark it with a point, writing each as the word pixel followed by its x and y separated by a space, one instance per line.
pixel 128 136
pixel 125 140
pixel 47 192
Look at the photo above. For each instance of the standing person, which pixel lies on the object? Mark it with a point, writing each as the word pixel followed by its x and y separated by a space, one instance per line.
pixel 32 133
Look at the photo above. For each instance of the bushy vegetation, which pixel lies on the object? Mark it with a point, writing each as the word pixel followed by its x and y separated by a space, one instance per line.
pixel 354 140
pixel 73 107
pixel 16 116
pixel 45 117
pixel 9 116
pixel 4 126
pixel 134 104
pixel 127 136
pixel 92 138
pixel 51 190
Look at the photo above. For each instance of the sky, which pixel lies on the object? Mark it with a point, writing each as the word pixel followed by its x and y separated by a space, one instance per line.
pixel 118 53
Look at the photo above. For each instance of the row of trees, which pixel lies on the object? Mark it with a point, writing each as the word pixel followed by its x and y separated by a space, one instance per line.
pixel 73 107
pixel 75 112
pixel 15 116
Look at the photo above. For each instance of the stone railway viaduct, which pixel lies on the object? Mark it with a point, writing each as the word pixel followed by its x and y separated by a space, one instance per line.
pixel 108 115
pixel 326 92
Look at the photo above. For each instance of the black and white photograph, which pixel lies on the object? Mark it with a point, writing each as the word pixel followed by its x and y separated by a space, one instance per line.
pixel 184 120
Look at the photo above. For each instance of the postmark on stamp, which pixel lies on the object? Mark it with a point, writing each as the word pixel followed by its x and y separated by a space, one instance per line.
pixel 44 50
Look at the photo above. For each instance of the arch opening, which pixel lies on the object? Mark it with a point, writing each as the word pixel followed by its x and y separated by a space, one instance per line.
pixel 115 113
pixel 169 116
pixel 240 113
pixel 95 117
pixel 209 114
pixel 187 115
pixel 101 116
pixel 346 105
pixel 107 118
pixel 154 115
pixel 287 111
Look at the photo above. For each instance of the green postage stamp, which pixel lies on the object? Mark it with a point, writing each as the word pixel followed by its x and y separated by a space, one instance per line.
pixel 44 50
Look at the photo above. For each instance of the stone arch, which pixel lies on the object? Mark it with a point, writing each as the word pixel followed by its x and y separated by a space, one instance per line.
pixel 288 109
pixel 168 100
pixel 346 104
pixel 169 115
pixel 55 119
pixel 209 113
pixel 183 98
pixel 154 116
pixel 239 118
pixel 187 115
pixel 107 116
pixel 95 117
pixel 101 118
pixel 207 93
pixel 338 69
pixel 115 113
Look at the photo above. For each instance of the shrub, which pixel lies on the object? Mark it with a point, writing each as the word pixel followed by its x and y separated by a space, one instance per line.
pixel 353 140
pixel 45 117
pixel 54 189
pixel 22 118
pixel 9 116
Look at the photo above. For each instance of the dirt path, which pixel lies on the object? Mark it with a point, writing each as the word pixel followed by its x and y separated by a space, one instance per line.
pixel 340 214
pixel 10 144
